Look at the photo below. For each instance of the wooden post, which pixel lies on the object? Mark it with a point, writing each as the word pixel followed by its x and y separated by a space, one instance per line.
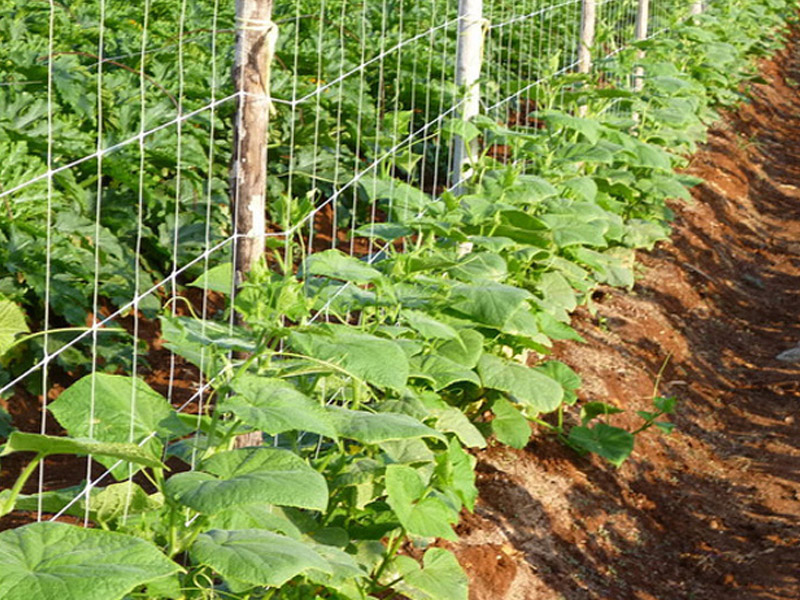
pixel 256 36
pixel 697 8
pixel 642 19
pixel 588 25
pixel 469 56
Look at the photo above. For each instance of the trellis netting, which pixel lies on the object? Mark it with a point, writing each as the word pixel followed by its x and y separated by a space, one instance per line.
pixel 127 169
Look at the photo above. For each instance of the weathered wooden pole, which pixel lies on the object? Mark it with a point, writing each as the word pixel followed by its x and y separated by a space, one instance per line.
pixel 642 20
pixel 586 42
pixel 469 56
pixel 256 35
pixel 697 8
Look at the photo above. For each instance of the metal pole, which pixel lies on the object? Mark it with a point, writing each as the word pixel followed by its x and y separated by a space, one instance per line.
pixel 642 19
pixel 256 35
pixel 469 56
pixel 588 25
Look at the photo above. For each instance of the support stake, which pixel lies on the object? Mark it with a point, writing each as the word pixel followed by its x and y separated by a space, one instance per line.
pixel 469 56
pixel 588 25
pixel 642 19
pixel 256 36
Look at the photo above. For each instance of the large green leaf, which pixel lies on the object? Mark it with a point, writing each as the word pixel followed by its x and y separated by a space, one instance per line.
pixel 420 513
pixel 12 323
pixel 274 406
pixel 338 265
pixel 529 387
pixel 50 561
pixel 50 444
pixel 256 556
pixel 248 476
pixel 488 304
pixel 113 408
pixel 429 327
pixel 378 361
pixel 374 428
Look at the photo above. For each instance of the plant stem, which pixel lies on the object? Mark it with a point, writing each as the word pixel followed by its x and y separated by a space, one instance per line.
pixel 8 506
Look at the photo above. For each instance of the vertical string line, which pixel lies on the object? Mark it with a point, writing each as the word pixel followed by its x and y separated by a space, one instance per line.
pixel 97 217
pixel 48 246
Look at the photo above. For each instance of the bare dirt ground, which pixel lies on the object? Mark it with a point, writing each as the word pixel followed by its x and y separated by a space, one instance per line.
pixel 711 512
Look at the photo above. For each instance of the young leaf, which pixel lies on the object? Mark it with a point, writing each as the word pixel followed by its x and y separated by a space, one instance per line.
pixel 440 577
pixel 255 556
pixel 592 410
pixel 247 476
pixel 509 425
pixel 55 560
pixel 420 513
pixel 612 443
pixel 217 279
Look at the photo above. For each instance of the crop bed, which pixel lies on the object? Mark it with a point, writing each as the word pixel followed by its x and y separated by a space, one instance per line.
pixel 711 511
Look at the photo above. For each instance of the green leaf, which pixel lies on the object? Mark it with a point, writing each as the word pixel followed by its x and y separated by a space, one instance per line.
pixel 443 372
pixel 255 556
pixel 121 408
pixel 466 350
pixel 119 499
pixel 374 428
pixel 665 405
pixel 420 513
pixel 480 266
pixel 247 476
pixel 217 279
pixel 463 129
pixel 49 444
pixel 387 232
pixel 275 406
pixel 53 560
pixel 451 420
pixel 509 425
pixel 378 361
pixel 592 410
pixel 254 516
pixel 532 388
pixel 441 577
pixel 429 327
pixel 558 120
pixel 338 265
pixel 612 443
pixel 12 323
pixel 488 304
